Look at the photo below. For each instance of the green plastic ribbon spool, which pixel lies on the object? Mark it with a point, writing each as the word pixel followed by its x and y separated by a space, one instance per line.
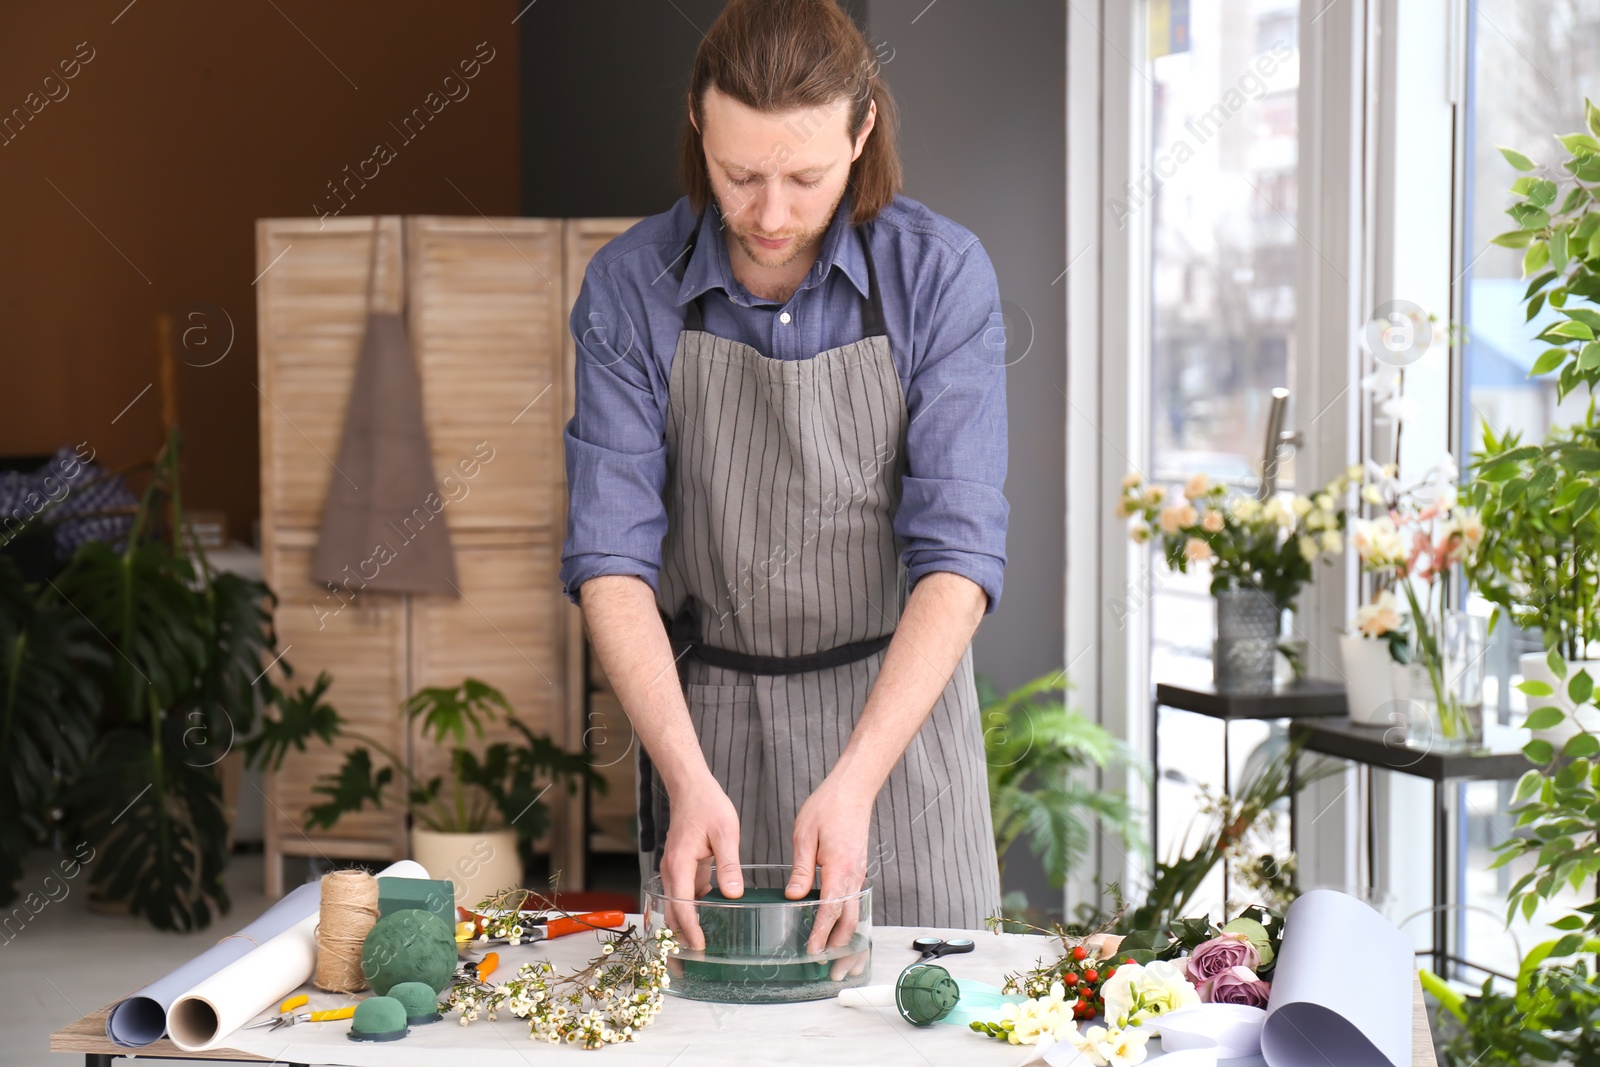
pixel 925 993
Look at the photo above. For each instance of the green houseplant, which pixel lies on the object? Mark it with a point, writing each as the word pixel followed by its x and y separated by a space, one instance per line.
pixel 1546 496
pixel 1037 750
pixel 126 677
pixel 478 820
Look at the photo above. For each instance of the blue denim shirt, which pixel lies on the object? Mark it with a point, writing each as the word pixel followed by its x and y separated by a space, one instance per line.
pixel 942 304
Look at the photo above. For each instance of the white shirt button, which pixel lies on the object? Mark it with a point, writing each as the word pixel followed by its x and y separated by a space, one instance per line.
pixel 784 318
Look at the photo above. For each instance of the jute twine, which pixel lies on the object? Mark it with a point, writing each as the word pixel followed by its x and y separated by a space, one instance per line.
pixel 349 912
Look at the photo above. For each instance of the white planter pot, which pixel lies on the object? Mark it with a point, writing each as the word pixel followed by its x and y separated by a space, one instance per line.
pixel 1535 668
pixel 1368 679
pixel 477 865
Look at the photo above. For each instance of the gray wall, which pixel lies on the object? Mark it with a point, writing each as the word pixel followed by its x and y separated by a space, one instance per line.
pixel 982 94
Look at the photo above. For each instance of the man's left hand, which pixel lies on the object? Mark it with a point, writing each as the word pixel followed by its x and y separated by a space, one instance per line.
pixel 831 832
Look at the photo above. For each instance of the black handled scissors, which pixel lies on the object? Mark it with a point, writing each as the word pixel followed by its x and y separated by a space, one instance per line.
pixel 934 947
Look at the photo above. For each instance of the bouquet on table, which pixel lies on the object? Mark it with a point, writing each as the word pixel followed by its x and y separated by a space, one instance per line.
pixel 1133 980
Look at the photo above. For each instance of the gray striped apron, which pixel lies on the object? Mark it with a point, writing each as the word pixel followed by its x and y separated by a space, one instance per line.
pixel 782 580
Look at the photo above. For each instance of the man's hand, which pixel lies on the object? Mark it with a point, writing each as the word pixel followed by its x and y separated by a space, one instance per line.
pixel 831 832
pixel 704 826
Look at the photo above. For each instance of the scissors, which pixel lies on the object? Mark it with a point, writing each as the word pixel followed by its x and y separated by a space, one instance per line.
pixel 478 972
pixel 934 947
pixel 287 1017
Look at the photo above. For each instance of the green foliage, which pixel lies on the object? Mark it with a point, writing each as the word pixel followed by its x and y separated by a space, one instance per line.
pixel 1540 556
pixel 1556 222
pixel 1231 821
pixel 1038 752
pixel 504 786
pixel 49 659
pixel 127 678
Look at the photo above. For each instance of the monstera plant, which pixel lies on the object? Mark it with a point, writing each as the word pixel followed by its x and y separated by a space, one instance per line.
pixel 126 679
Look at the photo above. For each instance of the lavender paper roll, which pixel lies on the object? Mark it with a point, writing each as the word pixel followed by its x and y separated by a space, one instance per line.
pixel 141 1018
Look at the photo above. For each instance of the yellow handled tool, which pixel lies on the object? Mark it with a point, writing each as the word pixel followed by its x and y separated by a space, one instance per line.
pixel 287 1016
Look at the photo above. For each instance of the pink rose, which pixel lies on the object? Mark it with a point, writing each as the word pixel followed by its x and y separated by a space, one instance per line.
pixel 1211 958
pixel 1236 985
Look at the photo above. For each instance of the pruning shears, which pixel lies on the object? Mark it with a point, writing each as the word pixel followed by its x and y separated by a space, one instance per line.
pixel 478 972
pixel 287 1016
pixel 550 926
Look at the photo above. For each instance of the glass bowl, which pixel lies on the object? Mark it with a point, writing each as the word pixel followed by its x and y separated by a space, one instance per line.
pixel 761 947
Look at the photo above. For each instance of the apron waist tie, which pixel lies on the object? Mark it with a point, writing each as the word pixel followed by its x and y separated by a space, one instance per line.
pixel 751 663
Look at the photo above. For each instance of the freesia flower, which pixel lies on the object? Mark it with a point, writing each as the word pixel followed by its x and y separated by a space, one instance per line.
pixel 1380 617
pixel 1111 1046
pixel 1139 992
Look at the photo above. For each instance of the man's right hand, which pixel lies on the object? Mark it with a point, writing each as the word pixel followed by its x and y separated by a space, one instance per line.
pixel 704 826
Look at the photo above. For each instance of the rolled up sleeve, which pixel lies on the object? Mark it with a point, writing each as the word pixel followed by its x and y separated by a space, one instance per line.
pixel 616 453
pixel 953 511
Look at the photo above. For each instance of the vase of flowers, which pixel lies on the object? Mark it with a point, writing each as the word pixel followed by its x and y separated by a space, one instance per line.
pixel 1413 547
pixel 1259 553
pixel 1374 650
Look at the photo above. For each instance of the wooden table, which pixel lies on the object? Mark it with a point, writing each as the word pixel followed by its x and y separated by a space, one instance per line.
pixel 87 1036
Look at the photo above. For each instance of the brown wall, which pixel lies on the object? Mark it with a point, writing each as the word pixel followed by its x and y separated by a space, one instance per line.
pixel 135 192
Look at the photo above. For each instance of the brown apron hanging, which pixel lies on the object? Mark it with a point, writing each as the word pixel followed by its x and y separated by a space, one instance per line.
pixel 383 526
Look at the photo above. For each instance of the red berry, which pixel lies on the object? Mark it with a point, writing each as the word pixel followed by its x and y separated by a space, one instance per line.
pixel 1091 975
pixel 1070 979
pixel 1127 959
pixel 1079 952
pixel 1110 971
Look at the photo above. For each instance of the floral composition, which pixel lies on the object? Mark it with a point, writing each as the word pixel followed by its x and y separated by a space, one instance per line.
pixel 1249 544
pixel 1135 979
pixel 1424 533
pixel 613 998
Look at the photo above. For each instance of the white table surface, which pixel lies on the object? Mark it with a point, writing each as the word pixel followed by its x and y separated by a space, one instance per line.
pixel 689 1032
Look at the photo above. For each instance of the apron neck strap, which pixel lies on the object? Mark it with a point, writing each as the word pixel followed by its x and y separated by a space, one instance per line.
pixel 873 321
pixel 372 262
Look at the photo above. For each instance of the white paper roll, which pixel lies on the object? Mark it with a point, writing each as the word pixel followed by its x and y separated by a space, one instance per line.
pixel 206 1015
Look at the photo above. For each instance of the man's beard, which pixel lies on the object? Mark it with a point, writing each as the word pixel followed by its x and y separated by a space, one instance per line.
pixel 797 246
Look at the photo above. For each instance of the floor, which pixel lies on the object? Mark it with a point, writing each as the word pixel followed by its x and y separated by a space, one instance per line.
pixel 65 961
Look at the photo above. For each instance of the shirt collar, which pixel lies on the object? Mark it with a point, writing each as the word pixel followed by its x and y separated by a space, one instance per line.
pixel 709 267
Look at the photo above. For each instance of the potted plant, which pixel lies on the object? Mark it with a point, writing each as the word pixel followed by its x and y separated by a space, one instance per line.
pixel 1377 644
pixel 1260 554
pixel 1540 563
pixel 1037 751
pixel 126 679
pixel 474 825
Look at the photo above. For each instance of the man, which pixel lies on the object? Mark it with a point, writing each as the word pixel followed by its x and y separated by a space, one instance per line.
pixel 789 446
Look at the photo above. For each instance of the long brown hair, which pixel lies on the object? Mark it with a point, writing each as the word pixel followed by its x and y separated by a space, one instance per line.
pixel 782 55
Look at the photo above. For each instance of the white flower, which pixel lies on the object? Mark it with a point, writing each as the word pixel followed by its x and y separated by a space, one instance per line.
pixel 1308 547
pixel 1380 617
pixel 1111 1046
pixel 1300 506
pixel 1333 542
pixel 1324 501
pixel 1245 508
pixel 1277 510
pixel 1354 473
pixel 1138 992
pixel 1372 495
pixel 1378 542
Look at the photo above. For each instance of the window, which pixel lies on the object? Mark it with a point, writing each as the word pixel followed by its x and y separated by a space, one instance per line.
pixel 1223 247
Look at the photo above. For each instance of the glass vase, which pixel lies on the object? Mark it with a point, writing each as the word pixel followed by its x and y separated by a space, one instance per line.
pixel 1446 683
pixel 1246 647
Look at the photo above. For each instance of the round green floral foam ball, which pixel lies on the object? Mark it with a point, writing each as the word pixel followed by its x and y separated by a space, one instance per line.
pixel 409 946
pixel 378 1019
pixel 421 1002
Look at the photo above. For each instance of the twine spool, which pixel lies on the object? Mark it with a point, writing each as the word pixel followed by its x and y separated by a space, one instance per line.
pixel 349 911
